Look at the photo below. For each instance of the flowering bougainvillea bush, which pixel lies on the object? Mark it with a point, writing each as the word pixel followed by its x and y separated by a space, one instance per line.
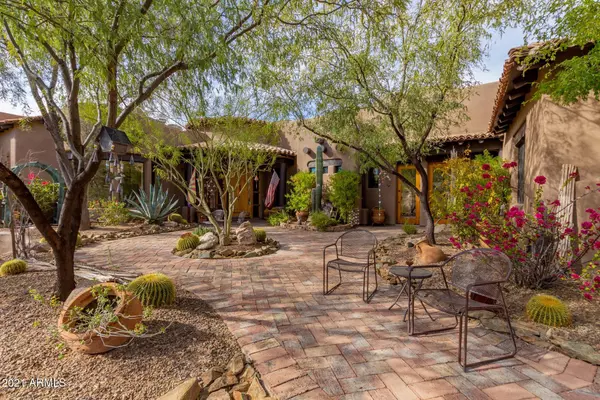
pixel 531 239
pixel 44 192
pixel 461 174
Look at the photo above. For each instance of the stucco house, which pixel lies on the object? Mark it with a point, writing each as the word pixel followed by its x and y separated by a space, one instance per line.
pixel 544 137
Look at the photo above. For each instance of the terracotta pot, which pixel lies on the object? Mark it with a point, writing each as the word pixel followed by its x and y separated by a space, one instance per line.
pixel 302 215
pixel 89 342
pixel 378 215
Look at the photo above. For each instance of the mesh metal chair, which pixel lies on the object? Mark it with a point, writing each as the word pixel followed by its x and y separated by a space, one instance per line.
pixel 475 284
pixel 355 252
pixel 219 215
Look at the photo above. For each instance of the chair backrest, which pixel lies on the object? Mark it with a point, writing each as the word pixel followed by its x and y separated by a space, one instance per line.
pixel 241 217
pixel 219 215
pixel 356 243
pixel 480 265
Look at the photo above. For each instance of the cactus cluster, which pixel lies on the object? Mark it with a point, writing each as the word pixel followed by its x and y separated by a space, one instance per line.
pixel 13 267
pixel 548 310
pixel 187 241
pixel 154 290
pixel 260 235
pixel 176 218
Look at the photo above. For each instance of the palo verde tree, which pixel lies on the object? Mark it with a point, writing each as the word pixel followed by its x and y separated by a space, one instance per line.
pixel 385 79
pixel 562 24
pixel 226 154
pixel 116 55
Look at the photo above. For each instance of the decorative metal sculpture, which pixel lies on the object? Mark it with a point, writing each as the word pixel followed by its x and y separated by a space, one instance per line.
pixel 318 191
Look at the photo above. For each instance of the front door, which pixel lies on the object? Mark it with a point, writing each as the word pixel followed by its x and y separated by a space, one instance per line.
pixel 408 201
pixel 244 200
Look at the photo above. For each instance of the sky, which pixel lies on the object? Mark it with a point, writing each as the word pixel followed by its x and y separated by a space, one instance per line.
pixel 494 62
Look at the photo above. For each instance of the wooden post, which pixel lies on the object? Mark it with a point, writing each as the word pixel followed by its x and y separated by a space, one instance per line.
pixel 566 197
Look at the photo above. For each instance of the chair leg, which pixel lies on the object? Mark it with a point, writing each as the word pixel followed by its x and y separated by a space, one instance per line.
pixel 326 289
pixel 366 284
pixel 466 365
pixel 460 332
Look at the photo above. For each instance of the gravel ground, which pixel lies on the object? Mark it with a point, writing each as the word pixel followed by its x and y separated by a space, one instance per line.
pixel 196 340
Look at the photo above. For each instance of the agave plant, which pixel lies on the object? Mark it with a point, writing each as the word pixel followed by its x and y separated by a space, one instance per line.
pixel 153 207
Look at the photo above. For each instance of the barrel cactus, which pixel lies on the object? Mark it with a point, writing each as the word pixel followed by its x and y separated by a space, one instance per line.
pixel 187 241
pixel 154 290
pixel 260 235
pixel 176 218
pixel 13 267
pixel 548 310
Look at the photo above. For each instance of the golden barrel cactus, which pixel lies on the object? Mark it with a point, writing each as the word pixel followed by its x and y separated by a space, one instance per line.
pixel 13 267
pixel 548 310
pixel 187 241
pixel 154 290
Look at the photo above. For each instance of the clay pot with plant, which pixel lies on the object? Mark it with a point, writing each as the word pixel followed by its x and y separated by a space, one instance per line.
pixel 101 318
pixel 301 185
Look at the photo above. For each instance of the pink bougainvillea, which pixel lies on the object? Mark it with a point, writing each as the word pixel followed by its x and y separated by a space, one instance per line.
pixel 540 180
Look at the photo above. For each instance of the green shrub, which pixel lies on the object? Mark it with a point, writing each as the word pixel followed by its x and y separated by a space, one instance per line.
pixel 45 194
pixel 548 310
pixel 343 192
pixel 187 241
pixel 153 289
pixel 321 221
pixel 409 229
pixel 301 185
pixel 176 218
pixel 277 218
pixel 260 234
pixel 201 230
pixel 13 267
pixel 112 212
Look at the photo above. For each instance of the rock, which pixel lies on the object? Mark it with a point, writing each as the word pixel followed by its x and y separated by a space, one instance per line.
pixel 241 387
pixel 439 228
pixel 238 395
pixel 236 365
pixel 187 390
pixel 226 252
pixel 480 314
pixel 183 252
pixel 222 382
pixel 245 234
pixel 219 395
pixel 205 254
pixel 251 254
pixel 41 247
pixel 256 390
pixel 248 374
pixel 208 241
pixel 578 350
pixel 521 328
pixel 209 376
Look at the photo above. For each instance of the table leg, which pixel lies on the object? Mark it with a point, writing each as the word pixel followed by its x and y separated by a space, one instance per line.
pixel 402 289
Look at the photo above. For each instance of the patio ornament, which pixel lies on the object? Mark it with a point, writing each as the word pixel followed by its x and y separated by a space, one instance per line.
pixel 13 267
pixel 154 290
pixel 317 192
pixel 548 310
pixel 428 254
pixel 107 333
pixel 378 213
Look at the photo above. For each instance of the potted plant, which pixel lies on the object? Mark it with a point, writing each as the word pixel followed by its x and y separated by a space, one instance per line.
pixel 100 318
pixel 302 184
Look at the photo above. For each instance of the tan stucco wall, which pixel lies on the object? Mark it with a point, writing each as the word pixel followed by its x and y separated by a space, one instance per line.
pixel 33 143
pixel 557 135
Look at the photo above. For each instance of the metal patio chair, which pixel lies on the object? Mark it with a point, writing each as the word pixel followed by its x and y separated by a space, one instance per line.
pixel 241 217
pixel 475 284
pixel 354 251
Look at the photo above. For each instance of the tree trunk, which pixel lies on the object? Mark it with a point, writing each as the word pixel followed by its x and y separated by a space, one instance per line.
pixel 424 199
pixel 428 217
pixel 85 215
pixel 64 257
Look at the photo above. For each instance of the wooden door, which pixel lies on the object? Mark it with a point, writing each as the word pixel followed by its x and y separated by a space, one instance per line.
pixel 244 201
pixel 435 178
pixel 408 208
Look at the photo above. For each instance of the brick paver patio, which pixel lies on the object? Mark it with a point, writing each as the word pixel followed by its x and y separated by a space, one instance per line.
pixel 310 346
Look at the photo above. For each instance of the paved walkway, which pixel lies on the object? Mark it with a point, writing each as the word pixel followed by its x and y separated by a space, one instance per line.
pixel 310 346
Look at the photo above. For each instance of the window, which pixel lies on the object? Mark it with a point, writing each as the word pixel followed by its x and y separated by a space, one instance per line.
pixel 372 179
pixel 313 170
pixel 520 143
pixel 337 169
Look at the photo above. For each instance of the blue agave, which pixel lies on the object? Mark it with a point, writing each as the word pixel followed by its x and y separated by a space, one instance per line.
pixel 153 207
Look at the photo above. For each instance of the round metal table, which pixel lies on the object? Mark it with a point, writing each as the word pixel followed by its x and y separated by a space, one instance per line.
pixel 418 274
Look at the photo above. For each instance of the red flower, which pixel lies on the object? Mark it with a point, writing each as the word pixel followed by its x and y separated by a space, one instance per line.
pixel 486 167
pixel 509 165
pixel 486 176
pixel 575 276
pixel 31 176
pixel 44 183
pixel 540 180
pixel 586 225
pixel 501 178
pixel 556 202
pixel 488 185
pixel 588 296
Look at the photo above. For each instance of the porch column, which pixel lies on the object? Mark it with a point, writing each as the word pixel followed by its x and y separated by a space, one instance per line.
pixel 282 182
